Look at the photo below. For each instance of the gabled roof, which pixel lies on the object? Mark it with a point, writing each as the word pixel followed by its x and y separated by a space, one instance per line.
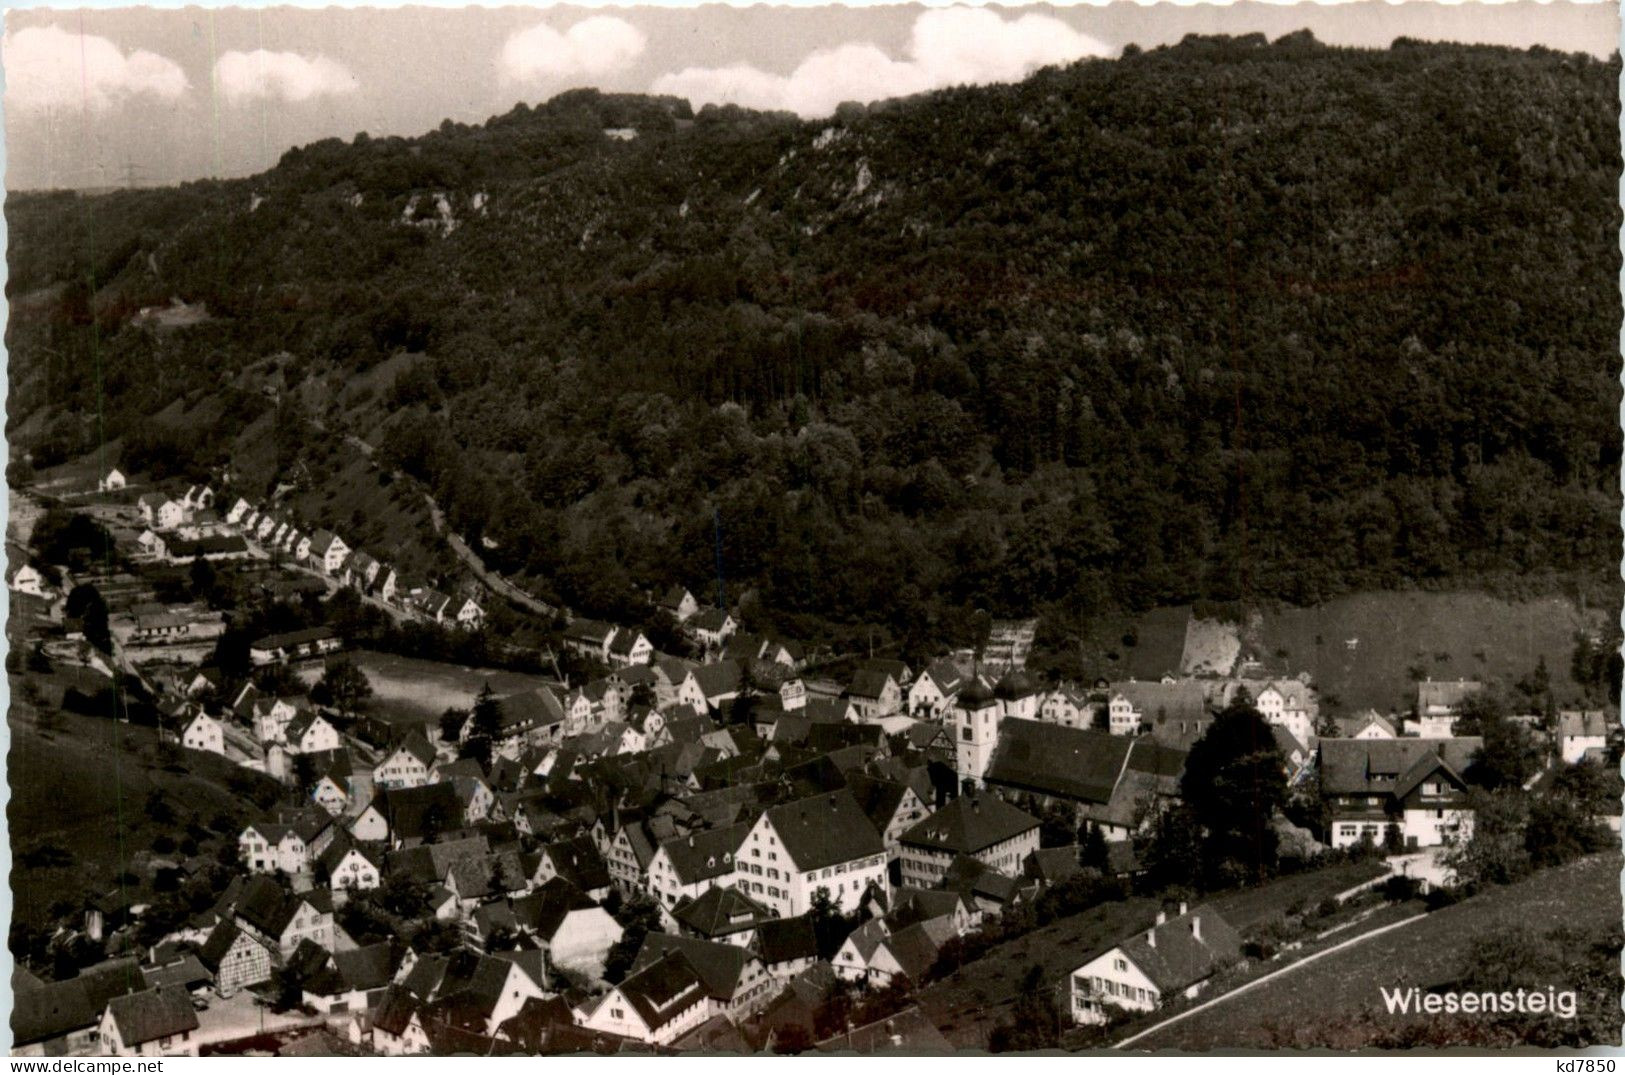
pixel 1368 766
pixel 51 1010
pixel 710 619
pixel 824 830
pixel 869 683
pixel 721 911
pixel 544 910
pixel 915 947
pixel 663 989
pixel 416 746
pixel 970 824
pixel 1179 959
pixel 700 856
pixel 152 1014
pixel 781 940
pixel 593 632
pixel 395 1010
pixel 718 678
pixel 299 725
pixel 1073 763
pixel 1445 694
pixel 1183 700
pixel 674 597
pixel 1591 724
pixel 720 966
pixel 879 799
pixel 578 861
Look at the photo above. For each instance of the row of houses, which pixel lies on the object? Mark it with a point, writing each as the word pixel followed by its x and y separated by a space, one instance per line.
pixel 328 553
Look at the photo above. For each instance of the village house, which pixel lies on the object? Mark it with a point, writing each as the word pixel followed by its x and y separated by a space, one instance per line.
pixel 27 579
pixel 470 616
pixel 237 958
pixel 686 866
pixel 875 694
pixel 59 1018
pixel 630 647
pixel 407 765
pixel 735 979
pixel 205 733
pixel 284 919
pixel 1581 734
pixel 1438 704
pixel 891 806
pixel 983 827
pixel 1067 706
pixel 159 512
pixel 266 847
pixel 712 627
pixel 1133 706
pixel 111 482
pixel 359 571
pixel 1408 789
pixel 351 865
pixel 568 924
pixel 153 1022
pixel 656 1005
pixel 395 1027
pixel 198 498
pixel 310 733
pixel 1174 958
pixel 723 914
pixel 328 551
pixel 679 604
pixel 825 841
pixel 1117 782
pixel 294 645
pixel 590 638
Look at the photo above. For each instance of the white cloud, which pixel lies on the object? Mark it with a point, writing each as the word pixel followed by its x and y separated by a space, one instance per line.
pixel 50 68
pixel 949 46
pixel 280 76
pixel 595 46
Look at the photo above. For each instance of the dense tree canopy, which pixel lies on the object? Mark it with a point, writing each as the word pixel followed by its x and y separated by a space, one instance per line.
pixel 1222 320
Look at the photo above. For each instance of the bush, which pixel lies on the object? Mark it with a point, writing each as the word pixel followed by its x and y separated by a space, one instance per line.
pixel 1327 907
pixel 1439 896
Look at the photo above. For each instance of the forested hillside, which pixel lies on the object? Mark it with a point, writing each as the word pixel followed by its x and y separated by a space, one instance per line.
pixel 1227 320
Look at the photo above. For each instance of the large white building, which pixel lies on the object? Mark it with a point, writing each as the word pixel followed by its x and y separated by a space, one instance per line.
pixel 796 848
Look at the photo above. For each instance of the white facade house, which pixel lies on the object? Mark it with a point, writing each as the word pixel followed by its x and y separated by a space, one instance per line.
pixel 204 733
pixel 1581 733
pixel 796 848
pixel 111 482
pixel 1174 958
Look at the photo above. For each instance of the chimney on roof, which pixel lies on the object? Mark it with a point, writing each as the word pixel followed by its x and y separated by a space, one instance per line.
pixel 1182 907
pixel 1162 916
pixel 1196 926
pixel 1151 937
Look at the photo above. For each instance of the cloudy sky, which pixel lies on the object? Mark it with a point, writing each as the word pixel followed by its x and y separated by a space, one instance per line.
pixel 98 97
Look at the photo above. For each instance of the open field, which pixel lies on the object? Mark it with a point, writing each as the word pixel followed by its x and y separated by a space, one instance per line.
pixel 426 688
pixel 1446 635
pixel 1335 1001
pixel 969 1003
pixel 81 788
